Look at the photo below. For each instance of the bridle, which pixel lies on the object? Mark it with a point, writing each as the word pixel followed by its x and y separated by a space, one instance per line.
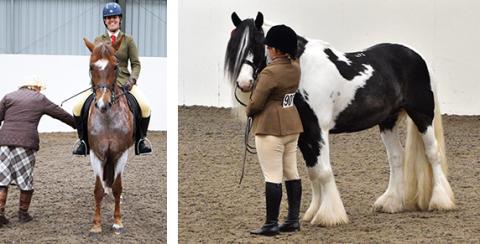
pixel 256 70
pixel 111 87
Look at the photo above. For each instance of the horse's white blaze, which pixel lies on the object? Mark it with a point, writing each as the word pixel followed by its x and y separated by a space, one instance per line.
pixel 101 63
pixel 392 200
pixel 245 77
pixel 333 93
pixel 122 161
pixel 442 194
pixel 100 103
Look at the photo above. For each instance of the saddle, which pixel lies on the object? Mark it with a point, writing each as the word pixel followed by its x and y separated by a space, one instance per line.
pixel 134 108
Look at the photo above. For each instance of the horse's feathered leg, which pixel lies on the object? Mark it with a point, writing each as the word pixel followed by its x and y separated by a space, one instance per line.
pixel 392 201
pixel 331 211
pixel 426 163
pixel 442 197
pixel 99 193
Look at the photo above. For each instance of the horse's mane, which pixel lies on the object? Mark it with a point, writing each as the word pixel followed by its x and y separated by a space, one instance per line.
pixel 237 49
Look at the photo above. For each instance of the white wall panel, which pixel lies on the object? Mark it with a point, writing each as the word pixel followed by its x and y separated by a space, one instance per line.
pixel 446 33
pixel 67 75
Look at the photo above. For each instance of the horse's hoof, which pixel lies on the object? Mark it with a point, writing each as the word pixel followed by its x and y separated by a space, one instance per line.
pixel 95 230
pixel 94 235
pixel 118 229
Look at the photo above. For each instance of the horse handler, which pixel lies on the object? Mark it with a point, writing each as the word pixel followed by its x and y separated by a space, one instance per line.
pixel 277 125
pixel 20 112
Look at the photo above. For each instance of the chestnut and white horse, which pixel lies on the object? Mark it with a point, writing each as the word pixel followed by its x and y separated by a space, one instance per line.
pixel 110 129
pixel 348 92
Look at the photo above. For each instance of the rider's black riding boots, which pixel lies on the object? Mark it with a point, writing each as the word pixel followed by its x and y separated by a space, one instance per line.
pixel 81 148
pixel 294 195
pixel 142 148
pixel 273 197
pixel 3 202
pixel 25 199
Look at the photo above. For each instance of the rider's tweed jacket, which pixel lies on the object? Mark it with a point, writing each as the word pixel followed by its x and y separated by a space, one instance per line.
pixel 270 116
pixel 20 112
pixel 128 50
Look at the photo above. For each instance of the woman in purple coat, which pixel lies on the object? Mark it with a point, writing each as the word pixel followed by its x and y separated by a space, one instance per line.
pixel 20 113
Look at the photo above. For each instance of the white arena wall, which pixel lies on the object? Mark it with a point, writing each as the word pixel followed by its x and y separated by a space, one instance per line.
pixel 65 76
pixel 446 33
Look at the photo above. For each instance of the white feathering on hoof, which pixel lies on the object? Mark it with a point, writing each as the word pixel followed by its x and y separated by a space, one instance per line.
pixel 315 202
pixel 389 203
pixel 442 197
pixel 331 211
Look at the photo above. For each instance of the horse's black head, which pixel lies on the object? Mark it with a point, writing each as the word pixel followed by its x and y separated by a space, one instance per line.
pixel 245 53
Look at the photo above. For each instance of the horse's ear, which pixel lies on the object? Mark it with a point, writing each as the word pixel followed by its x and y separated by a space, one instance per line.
pixel 89 45
pixel 235 19
pixel 117 43
pixel 259 20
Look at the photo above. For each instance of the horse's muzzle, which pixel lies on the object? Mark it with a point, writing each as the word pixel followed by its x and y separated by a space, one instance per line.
pixel 245 86
pixel 103 107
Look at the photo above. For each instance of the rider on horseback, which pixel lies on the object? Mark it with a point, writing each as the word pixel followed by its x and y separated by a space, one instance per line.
pixel 112 16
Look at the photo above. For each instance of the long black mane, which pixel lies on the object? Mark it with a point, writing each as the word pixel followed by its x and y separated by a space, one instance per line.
pixel 245 38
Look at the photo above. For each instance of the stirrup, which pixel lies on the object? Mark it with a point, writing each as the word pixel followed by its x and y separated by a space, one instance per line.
pixel 79 141
pixel 137 146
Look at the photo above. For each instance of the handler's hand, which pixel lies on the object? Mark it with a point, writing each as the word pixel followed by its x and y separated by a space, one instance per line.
pixel 130 83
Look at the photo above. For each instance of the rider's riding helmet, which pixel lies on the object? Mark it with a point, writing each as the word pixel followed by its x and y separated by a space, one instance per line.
pixel 112 9
pixel 282 38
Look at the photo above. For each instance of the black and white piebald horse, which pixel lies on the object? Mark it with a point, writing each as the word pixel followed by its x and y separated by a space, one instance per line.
pixel 348 92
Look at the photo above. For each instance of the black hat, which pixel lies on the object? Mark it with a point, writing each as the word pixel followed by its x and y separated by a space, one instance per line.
pixel 282 38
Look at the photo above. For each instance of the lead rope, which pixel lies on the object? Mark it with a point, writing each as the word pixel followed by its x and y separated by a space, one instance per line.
pixel 248 127
pixel 248 147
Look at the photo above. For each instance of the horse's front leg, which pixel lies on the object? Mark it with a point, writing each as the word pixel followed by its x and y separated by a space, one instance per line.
pixel 97 219
pixel 326 208
pixel 117 192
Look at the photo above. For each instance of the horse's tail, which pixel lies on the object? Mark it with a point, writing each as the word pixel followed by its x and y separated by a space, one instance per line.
pixel 418 170
pixel 108 172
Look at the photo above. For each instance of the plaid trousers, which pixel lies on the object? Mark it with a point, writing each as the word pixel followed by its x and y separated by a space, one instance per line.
pixel 16 164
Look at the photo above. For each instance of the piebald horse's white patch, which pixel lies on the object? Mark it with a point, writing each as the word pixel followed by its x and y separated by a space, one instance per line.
pixel 97 167
pixel 120 166
pixel 101 63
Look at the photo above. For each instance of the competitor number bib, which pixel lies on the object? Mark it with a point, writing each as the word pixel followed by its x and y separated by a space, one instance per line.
pixel 288 100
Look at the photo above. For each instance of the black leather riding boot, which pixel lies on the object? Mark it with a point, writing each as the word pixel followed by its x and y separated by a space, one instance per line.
pixel 25 200
pixel 142 147
pixel 81 148
pixel 3 202
pixel 273 197
pixel 294 195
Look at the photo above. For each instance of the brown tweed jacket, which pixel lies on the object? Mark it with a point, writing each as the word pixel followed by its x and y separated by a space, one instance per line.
pixel 271 105
pixel 20 112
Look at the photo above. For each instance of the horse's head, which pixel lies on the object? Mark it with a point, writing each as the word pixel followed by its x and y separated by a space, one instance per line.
pixel 103 72
pixel 245 53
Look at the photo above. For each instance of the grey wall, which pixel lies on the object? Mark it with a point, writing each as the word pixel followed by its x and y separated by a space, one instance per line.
pixel 56 27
